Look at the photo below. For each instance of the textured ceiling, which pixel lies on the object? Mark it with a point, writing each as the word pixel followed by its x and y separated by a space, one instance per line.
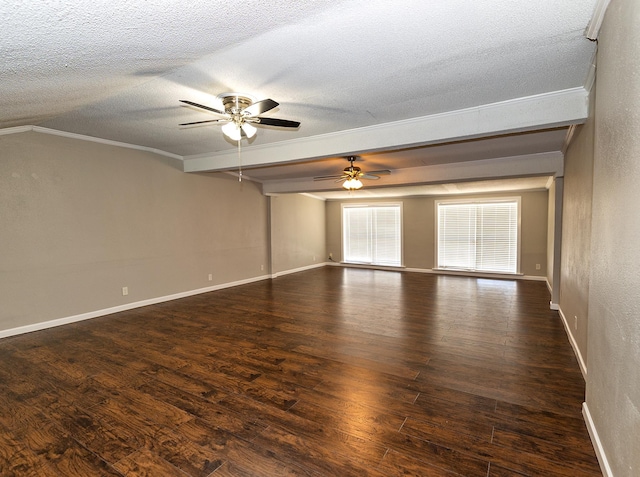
pixel 115 69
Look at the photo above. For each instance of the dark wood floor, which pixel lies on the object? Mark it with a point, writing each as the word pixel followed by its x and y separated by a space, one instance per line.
pixel 336 372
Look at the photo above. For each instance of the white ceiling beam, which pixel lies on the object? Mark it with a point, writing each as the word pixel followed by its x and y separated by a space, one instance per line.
pixel 549 110
pixel 550 163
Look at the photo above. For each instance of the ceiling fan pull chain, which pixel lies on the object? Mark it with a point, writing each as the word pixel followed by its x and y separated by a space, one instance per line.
pixel 239 162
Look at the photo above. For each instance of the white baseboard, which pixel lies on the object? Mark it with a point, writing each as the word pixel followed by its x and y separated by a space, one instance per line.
pixel 368 267
pixel 501 276
pixel 127 306
pixel 595 440
pixel 574 345
pixel 300 269
pixel 433 271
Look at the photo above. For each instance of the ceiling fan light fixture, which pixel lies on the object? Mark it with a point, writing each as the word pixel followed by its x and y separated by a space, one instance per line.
pixel 352 184
pixel 232 131
pixel 249 130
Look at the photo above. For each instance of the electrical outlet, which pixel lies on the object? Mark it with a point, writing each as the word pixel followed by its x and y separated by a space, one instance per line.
pixel 575 322
pixel 331 255
pixel 537 266
pixel 262 267
pixel 210 277
pixel 314 258
pixel 125 291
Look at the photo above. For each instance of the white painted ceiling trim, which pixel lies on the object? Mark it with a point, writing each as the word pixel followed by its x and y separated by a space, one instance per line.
pixel 548 110
pixel 15 130
pixel 593 29
pixel 82 137
pixel 591 74
pixel 549 182
pixel 543 164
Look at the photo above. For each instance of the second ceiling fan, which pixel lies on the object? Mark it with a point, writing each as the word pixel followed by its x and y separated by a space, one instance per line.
pixel 351 175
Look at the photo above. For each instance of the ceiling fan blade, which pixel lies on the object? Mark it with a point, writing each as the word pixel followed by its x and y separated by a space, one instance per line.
pixel 384 172
pixel 283 123
pixel 202 122
pixel 201 106
pixel 326 178
pixel 368 176
pixel 260 107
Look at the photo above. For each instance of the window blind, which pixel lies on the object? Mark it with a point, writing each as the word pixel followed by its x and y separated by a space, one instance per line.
pixel 372 235
pixel 478 236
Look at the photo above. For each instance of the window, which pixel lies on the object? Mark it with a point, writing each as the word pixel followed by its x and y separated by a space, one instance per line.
pixel 479 236
pixel 371 234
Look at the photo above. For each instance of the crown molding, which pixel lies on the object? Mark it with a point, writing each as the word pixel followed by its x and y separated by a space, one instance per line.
pixel 567 140
pixel 548 186
pixel 591 74
pixel 82 137
pixel 593 29
pixel 15 130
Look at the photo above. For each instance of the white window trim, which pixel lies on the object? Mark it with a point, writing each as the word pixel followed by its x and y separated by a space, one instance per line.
pixel 489 200
pixel 347 205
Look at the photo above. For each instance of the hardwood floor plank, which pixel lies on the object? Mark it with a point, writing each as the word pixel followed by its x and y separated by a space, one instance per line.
pixel 16 459
pixel 436 455
pixel 344 378
pixel 93 433
pixel 545 425
pixel 133 402
pixel 145 463
pixel 239 384
pixel 334 453
pixel 457 398
pixel 61 451
pixel 497 471
pixel 165 442
pixel 372 360
pixel 468 420
pixel 205 410
pixel 395 463
pixel 270 468
pixel 354 419
pixel 555 452
pixel 193 459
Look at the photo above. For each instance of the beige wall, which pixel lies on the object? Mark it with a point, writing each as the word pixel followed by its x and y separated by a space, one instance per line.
pixel 576 232
pixel 81 220
pixel 613 383
pixel 297 232
pixel 419 229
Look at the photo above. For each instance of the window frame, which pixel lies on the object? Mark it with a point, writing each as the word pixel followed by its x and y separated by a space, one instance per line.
pixel 488 200
pixel 352 205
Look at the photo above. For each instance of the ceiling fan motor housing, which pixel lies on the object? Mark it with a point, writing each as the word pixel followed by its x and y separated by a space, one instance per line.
pixel 235 103
pixel 351 170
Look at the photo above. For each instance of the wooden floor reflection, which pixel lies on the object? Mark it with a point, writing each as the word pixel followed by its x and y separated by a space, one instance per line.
pixel 332 371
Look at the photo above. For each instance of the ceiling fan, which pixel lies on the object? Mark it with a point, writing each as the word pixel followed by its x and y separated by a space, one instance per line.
pixel 241 113
pixel 351 176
